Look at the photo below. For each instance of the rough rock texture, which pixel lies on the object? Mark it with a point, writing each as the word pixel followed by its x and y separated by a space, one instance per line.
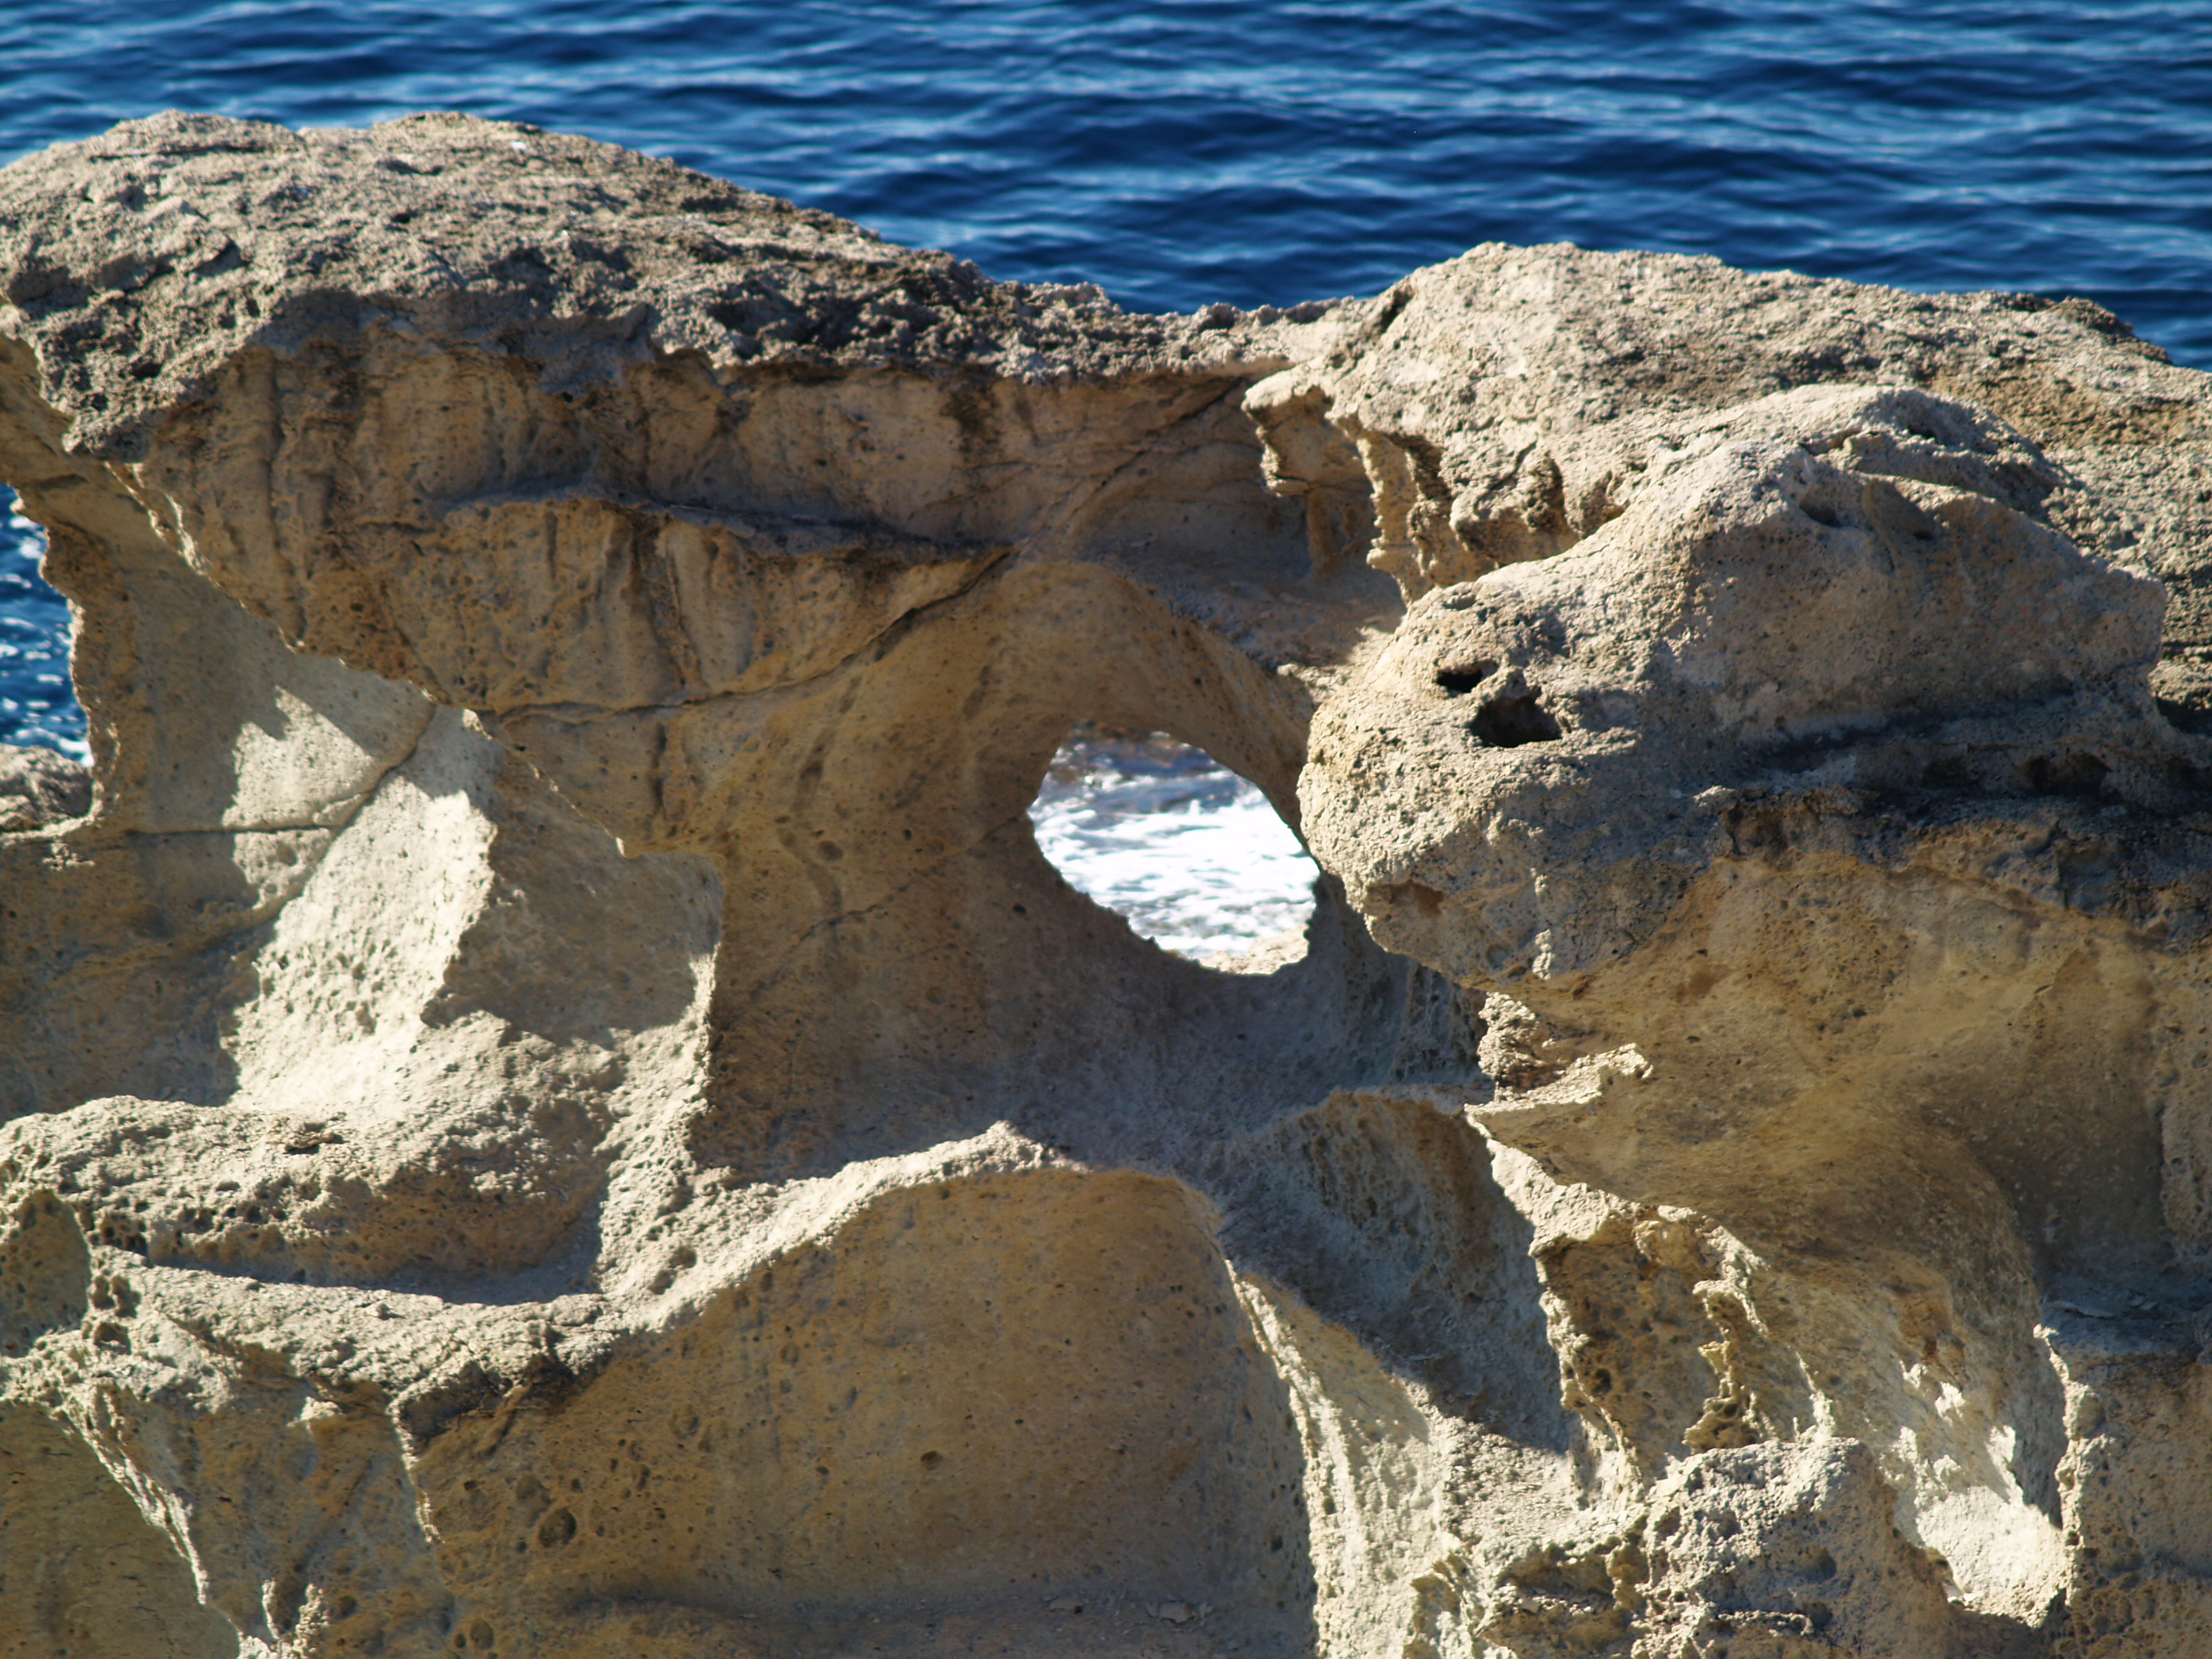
pixel 39 787
pixel 550 1105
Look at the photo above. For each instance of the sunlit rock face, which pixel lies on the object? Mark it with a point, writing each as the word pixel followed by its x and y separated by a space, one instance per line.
pixel 554 1104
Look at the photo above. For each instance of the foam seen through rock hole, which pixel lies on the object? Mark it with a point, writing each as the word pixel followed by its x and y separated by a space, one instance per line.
pixel 1189 854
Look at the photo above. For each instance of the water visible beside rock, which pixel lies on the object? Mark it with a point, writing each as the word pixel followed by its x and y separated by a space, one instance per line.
pixel 37 705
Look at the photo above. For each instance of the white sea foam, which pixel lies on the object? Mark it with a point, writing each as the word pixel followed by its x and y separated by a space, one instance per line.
pixel 1159 832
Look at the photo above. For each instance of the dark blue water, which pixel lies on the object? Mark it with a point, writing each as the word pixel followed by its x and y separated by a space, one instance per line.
pixel 1186 151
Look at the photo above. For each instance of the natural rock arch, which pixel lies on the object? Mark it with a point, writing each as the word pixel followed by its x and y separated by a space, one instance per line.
pixel 568 646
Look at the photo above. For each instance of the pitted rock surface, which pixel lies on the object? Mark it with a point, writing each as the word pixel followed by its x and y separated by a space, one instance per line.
pixel 551 1104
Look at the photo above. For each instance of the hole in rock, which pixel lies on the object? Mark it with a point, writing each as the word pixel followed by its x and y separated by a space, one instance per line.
pixel 1458 682
pixel 2079 775
pixel 1509 722
pixel 1509 717
pixel 2187 716
pixel 1190 855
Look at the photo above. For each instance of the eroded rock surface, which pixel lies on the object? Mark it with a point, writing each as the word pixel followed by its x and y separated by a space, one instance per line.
pixel 552 1105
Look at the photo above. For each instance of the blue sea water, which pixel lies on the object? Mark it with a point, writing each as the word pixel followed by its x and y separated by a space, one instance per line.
pixel 1181 152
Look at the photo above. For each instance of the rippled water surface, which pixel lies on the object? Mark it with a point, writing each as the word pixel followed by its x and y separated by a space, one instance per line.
pixel 36 704
pixel 1187 151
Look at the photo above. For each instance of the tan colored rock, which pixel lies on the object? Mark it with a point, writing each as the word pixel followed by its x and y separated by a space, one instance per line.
pixel 39 787
pixel 553 1107
pixel 1815 813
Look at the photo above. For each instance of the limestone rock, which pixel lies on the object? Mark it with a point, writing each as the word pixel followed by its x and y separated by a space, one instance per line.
pixel 552 1105
pixel 39 787
pixel 1837 876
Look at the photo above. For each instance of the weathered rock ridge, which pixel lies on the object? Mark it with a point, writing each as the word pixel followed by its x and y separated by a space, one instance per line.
pixel 549 1104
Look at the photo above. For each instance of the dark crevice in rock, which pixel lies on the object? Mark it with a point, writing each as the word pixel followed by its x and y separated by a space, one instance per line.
pixel 1507 722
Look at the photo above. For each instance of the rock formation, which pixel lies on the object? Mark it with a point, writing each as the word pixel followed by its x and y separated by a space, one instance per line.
pixel 549 1104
